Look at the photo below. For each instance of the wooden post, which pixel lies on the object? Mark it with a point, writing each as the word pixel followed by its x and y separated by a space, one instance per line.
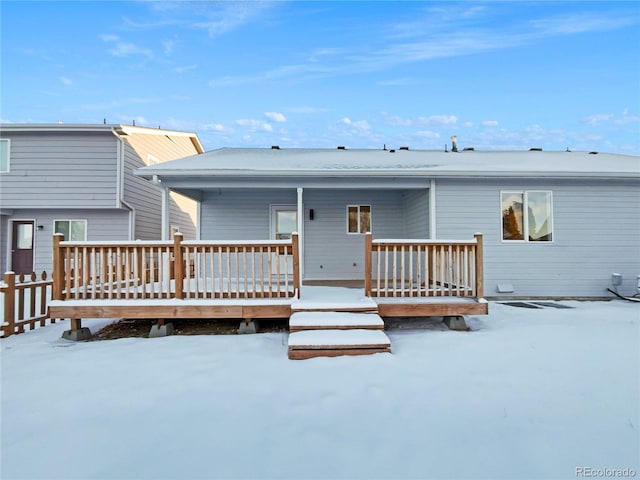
pixel 9 303
pixel 58 267
pixel 295 251
pixel 479 266
pixel 367 263
pixel 178 265
pixel 76 324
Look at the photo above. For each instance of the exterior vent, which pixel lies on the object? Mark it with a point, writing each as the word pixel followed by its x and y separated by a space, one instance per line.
pixel 275 147
pixel 392 151
pixel 341 147
pixel 468 149
pixel 535 149
pixel 593 153
pixel 403 148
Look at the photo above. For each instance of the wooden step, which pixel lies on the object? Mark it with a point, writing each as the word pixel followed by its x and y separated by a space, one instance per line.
pixel 334 321
pixel 354 304
pixel 333 343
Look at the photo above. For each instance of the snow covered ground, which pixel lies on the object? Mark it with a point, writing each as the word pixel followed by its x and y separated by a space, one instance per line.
pixel 525 394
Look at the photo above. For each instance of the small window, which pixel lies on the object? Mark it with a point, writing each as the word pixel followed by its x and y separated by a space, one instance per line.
pixel 73 230
pixel 527 216
pixel 358 218
pixel 4 155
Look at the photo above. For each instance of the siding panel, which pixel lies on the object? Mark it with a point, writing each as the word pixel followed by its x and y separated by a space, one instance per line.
pixel 60 170
pixel 596 232
pixel 147 198
pixel 107 224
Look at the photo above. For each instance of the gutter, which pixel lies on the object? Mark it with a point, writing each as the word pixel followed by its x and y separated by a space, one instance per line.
pixel 150 173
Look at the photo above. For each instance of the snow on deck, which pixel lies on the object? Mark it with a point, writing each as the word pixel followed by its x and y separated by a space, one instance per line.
pixel 326 319
pixel 338 338
pixel 315 297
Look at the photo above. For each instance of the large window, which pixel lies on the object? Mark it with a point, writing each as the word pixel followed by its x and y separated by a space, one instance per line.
pixel 358 218
pixel 73 230
pixel 527 216
pixel 4 155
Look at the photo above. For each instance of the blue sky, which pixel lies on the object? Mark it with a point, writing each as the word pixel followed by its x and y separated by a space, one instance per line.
pixel 499 75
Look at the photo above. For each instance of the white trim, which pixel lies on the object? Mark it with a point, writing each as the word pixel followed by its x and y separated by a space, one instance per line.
pixel 165 218
pixel 432 210
pixel 525 217
pixel 359 232
pixel 300 222
pixel 8 140
pixel 86 225
pixel 10 241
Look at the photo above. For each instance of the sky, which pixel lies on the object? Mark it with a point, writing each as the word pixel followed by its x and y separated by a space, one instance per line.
pixel 499 75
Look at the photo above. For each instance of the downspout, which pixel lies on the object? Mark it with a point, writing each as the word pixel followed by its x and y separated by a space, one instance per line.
pixel 432 209
pixel 120 201
pixel 165 209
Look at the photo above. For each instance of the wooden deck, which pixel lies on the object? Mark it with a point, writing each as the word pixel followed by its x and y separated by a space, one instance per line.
pixel 257 279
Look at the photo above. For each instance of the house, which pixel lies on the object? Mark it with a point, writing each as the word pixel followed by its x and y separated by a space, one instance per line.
pixel 78 180
pixel 555 224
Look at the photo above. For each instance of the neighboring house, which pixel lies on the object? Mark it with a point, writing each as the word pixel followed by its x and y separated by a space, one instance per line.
pixel 77 180
pixel 555 224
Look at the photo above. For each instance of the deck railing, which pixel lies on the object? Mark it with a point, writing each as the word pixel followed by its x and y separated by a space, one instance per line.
pixel 178 269
pixel 424 268
pixel 25 299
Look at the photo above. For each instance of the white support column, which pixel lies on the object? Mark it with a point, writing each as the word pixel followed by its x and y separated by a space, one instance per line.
pixel 300 226
pixel 432 210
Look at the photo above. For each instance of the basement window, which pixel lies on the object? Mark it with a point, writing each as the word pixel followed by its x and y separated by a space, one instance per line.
pixel 527 216
pixel 358 219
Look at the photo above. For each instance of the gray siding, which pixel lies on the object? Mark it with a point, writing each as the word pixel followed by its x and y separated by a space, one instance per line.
pixel 329 252
pixel 60 170
pixel 332 254
pixel 416 208
pixel 107 224
pixel 241 214
pixel 146 198
pixel 596 233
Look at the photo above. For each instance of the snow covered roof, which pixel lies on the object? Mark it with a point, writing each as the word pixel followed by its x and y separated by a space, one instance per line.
pixel 300 162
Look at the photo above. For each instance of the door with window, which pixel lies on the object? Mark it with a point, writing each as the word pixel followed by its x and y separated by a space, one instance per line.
pixel 22 247
pixel 284 221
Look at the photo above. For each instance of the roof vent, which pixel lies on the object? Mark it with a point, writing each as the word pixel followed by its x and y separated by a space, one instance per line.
pixel 275 147
pixel 454 143
pixel 403 148
pixel 468 149
pixel 341 147
pixel 535 149
pixel 392 151
pixel 593 153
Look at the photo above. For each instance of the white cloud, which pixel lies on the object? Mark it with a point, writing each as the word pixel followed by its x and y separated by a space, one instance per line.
pixel 185 68
pixel 124 49
pixel 275 116
pixel 433 120
pixel 217 128
pixel 65 80
pixel 490 123
pixel 224 17
pixel 168 46
pixel 109 38
pixel 428 134
pixel 255 125
pixel 361 125
pixel 598 118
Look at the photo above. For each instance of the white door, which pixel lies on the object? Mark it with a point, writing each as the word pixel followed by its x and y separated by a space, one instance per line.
pixel 284 221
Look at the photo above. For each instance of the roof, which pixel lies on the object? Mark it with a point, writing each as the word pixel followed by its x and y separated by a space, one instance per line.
pixel 297 162
pixel 118 128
